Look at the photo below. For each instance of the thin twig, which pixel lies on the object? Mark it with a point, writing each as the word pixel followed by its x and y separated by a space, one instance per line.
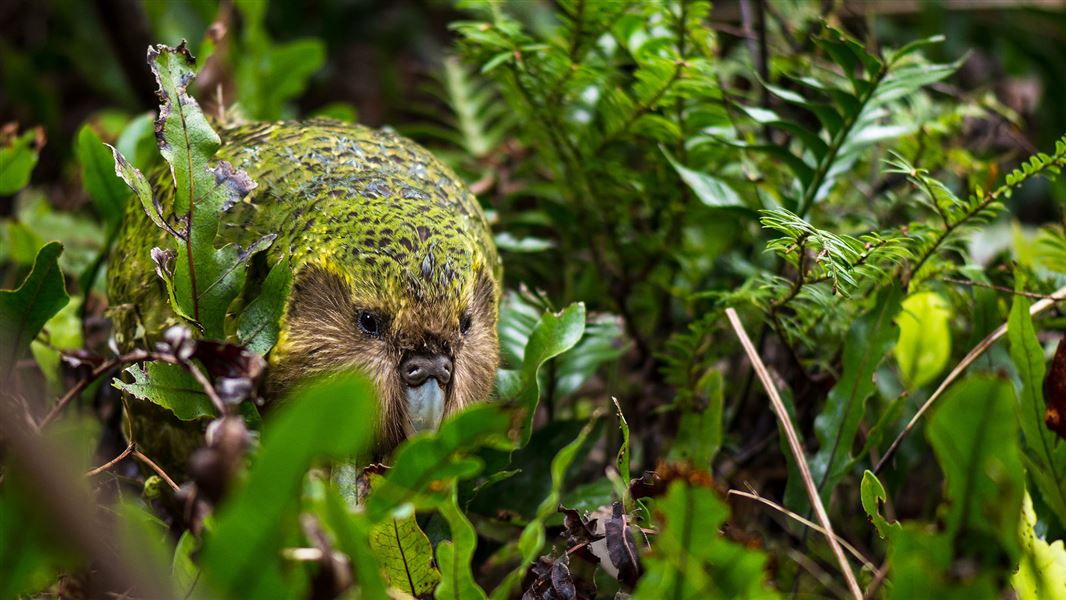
pixel 114 461
pixel 797 451
pixel 159 470
pixel 847 546
pixel 209 389
pixel 135 356
pixel 966 361
pixel 998 288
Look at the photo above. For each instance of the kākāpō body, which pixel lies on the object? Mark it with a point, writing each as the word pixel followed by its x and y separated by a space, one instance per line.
pixel 393 263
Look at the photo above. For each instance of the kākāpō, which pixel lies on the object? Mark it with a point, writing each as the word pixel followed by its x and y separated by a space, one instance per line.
pixel 393 264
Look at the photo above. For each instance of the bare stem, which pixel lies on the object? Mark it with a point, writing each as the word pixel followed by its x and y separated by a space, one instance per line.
pixel 159 470
pixel 799 518
pixel 797 452
pixel 114 461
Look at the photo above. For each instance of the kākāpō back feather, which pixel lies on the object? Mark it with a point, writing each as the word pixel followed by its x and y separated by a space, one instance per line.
pixel 395 227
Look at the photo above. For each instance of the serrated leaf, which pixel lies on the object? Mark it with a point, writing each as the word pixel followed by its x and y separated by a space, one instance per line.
pixel 924 344
pixel 169 386
pixel 25 310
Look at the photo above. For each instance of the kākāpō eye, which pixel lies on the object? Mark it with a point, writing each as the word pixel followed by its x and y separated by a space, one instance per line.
pixel 464 323
pixel 372 324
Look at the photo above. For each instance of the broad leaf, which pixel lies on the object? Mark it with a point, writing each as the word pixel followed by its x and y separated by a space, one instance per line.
pixel 24 311
pixel 699 430
pixel 331 418
pixel 456 557
pixel 975 437
pixel 260 322
pixel 554 334
pixel 18 156
pixel 1042 570
pixel 924 344
pixel 169 386
pixel 711 190
pixel 426 464
pixel 869 340
pixel 107 192
pixel 405 554
pixel 1045 455
pixel 531 540
pixel 691 559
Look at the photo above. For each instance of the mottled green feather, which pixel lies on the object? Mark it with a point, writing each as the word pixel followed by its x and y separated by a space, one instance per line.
pixel 367 205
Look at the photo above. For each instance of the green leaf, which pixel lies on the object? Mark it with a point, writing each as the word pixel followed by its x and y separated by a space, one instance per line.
pixel 332 418
pixel 872 493
pixel 139 184
pixel 554 334
pixel 1045 453
pixel 455 557
pixel 405 554
pixel 260 322
pixel 24 311
pixel 17 159
pixel 924 344
pixel 353 538
pixel 699 431
pixel 107 192
pixel 183 569
pixel 691 559
pixel 171 387
pixel 621 460
pixel 1041 572
pixel 531 540
pixel 137 140
pixel 186 139
pixel 974 435
pixel 709 189
pixel 869 340
pixel 424 466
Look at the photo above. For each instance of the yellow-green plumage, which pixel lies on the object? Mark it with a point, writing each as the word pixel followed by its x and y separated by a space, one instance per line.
pixel 397 230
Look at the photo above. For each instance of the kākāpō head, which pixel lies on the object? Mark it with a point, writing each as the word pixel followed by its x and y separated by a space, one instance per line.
pixel 393 264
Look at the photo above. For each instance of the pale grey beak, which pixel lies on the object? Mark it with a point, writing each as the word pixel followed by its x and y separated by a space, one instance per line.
pixel 425 405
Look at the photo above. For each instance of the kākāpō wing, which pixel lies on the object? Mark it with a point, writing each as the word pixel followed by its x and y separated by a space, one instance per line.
pixel 367 205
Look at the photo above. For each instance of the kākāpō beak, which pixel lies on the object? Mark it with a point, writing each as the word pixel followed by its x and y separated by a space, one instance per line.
pixel 426 378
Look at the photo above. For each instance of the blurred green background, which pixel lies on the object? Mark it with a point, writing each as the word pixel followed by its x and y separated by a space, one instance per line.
pixel 65 61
